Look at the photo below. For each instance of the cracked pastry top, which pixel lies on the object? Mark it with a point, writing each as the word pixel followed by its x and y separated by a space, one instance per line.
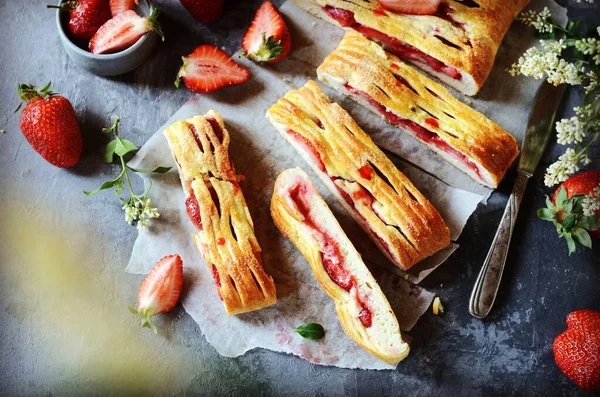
pixel 395 215
pixel 363 310
pixel 457 44
pixel 216 206
pixel 411 101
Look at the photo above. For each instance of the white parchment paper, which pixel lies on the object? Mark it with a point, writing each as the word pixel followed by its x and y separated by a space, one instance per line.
pixel 260 154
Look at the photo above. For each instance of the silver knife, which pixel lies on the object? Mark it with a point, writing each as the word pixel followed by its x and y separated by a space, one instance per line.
pixel 537 135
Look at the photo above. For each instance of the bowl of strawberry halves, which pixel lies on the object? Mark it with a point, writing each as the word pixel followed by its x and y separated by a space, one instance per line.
pixel 108 37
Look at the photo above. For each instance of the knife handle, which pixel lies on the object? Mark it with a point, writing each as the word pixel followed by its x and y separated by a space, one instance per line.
pixel 487 284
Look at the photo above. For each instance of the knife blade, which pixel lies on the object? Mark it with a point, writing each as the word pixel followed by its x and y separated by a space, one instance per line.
pixel 537 135
pixel 539 126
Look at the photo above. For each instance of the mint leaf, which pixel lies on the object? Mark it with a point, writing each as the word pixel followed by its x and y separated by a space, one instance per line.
pixel 312 331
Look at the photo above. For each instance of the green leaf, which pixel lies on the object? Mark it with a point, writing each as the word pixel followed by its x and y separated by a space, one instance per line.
pixel 561 197
pixel 568 206
pixel 570 243
pixel 583 237
pixel 549 204
pixel 545 214
pixel 590 223
pixel 312 331
pixel 157 170
pixel 104 186
pixel 569 222
pixel 123 146
pixel 109 151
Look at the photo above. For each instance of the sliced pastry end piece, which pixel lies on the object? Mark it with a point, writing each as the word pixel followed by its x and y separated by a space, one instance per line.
pixel 216 207
pixel 457 44
pixel 364 313
pixel 395 215
pixel 421 107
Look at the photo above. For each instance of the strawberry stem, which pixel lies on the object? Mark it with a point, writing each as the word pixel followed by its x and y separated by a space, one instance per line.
pixel 268 50
pixel 65 5
pixel 28 92
pixel 154 25
pixel 145 314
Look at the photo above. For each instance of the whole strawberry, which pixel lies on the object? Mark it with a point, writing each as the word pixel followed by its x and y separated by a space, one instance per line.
pixel 50 125
pixel 577 350
pixel 85 17
pixel 205 11
pixel 567 209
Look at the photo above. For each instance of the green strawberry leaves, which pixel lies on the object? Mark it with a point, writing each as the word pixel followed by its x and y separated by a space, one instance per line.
pixel 567 216
pixel 312 331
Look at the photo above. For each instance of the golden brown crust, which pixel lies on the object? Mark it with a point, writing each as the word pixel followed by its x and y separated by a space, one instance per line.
pixel 226 241
pixel 463 37
pixel 404 225
pixel 382 338
pixel 366 67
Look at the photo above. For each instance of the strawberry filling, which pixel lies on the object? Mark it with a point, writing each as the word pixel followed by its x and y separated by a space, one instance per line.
pixel 193 210
pixel 216 128
pixel 366 171
pixel 405 51
pixel 217 278
pixel 333 261
pixel 308 147
pixel 420 132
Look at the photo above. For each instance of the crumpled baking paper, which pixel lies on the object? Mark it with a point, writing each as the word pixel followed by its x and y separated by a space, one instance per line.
pixel 260 153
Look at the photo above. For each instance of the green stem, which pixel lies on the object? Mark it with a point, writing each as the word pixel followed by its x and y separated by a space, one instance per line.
pixel 131 193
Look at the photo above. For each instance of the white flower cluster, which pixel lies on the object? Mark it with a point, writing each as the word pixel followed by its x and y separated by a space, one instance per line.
pixel 570 131
pixel 587 1
pixel 140 210
pixel 537 20
pixel 565 166
pixel 589 46
pixel 538 62
pixel 591 202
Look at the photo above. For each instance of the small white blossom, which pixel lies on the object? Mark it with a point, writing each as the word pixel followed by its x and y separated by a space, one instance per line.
pixel 591 202
pixel 570 131
pixel 563 168
pixel 537 20
pixel 140 210
pixel 589 46
pixel 592 81
pixel 565 73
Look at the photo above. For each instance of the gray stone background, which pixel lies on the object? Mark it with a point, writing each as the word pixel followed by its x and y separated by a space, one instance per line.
pixel 64 327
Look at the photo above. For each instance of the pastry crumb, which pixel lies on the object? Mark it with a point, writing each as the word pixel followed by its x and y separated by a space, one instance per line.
pixel 437 306
pixel 406 276
pixel 441 285
pixel 468 100
pixel 314 24
pixel 428 360
pixel 272 165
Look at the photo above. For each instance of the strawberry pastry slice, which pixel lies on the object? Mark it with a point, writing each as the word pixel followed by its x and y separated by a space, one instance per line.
pixel 455 41
pixel 215 204
pixel 409 100
pixel 399 220
pixel 364 313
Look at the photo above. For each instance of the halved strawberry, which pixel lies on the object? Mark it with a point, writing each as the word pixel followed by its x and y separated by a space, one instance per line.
pixel 123 31
pixel 208 68
pixel 118 6
pixel 160 290
pixel 419 7
pixel 267 39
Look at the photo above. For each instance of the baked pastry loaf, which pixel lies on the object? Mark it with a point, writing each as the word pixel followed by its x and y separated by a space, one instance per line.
pixel 403 224
pixel 365 314
pixel 217 208
pixel 409 100
pixel 457 44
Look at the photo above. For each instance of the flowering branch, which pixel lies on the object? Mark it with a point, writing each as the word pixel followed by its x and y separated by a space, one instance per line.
pixel 138 208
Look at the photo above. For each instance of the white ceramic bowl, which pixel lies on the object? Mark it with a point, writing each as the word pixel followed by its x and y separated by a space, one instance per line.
pixel 108 64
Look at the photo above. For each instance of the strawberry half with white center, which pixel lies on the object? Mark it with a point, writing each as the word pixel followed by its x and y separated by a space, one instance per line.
pixel 160 290
pixel 208 68
pixel 118 6
pixel 417 7
pixel 123 31
pixel 267 38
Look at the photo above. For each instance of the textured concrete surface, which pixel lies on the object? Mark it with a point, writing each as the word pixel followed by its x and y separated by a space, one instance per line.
pixel 64 327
